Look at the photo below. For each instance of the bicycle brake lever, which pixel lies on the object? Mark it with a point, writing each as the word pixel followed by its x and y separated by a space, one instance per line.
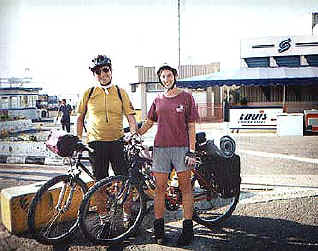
pixel 91 150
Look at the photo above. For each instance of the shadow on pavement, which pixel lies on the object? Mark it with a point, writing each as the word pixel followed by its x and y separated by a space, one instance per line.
pixel 257 230
pixel 239 232
pixel 261 233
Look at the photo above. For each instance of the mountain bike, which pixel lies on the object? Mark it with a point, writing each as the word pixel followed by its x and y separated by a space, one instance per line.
pixel 52 215
pixel 212 206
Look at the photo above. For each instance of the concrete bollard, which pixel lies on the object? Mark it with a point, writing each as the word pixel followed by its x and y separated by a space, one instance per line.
pixel 15 202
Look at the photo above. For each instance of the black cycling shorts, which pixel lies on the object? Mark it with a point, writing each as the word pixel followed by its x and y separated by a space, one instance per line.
pixel 106 152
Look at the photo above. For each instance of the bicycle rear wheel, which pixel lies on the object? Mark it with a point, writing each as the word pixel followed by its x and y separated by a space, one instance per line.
pixel 53 210
pixel 111 197
pixel 210 209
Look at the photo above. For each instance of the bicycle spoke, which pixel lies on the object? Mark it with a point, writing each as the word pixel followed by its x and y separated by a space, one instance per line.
pixel 47 229
pixel 52 213
pixel 115 199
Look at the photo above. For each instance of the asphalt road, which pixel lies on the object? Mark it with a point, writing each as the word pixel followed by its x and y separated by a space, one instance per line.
pixel 277 211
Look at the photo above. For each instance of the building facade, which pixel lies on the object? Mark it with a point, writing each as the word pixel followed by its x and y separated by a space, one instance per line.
pixel 292 52
pixel 17 100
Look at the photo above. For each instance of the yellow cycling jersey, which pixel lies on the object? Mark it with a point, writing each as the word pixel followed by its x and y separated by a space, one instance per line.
pixel 105 113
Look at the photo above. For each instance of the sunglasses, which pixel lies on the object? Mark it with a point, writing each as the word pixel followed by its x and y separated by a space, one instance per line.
pixel 100 70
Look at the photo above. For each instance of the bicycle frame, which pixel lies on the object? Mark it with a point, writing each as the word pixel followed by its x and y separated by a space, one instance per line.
pixel 74 171
pixel 79 164
pixel 134 191
pixel 173 194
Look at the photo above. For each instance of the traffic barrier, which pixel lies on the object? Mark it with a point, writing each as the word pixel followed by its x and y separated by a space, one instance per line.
pixel 15 202
pixel 25 148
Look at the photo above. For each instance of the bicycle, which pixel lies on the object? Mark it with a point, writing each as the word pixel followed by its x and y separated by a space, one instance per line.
pixel 52 212
pixel 211 207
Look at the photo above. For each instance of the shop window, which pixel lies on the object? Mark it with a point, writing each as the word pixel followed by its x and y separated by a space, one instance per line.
pixel 257 62
pixel 312 60
pixel 288 61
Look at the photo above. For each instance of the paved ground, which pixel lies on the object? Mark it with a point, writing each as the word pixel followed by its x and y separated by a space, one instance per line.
pixel 278 210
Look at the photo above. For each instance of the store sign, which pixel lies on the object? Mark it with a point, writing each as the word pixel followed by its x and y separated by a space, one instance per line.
pixel 284 45
pixel 254 118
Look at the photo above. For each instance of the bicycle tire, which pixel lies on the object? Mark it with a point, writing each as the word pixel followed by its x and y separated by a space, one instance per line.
pixel 89 219
pixel 212 210
pixel 45 222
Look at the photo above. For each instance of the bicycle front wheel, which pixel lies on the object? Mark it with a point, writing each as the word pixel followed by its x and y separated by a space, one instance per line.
pixel 210 209
pixel 53 210
pixel 112 210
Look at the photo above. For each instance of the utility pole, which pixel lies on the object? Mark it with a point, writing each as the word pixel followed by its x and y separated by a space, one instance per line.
pixel 179 57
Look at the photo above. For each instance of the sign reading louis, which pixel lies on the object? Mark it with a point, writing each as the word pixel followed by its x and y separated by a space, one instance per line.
pixel 254 118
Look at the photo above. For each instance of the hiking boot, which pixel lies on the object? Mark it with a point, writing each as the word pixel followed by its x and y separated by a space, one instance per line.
pixel 187 235
pixel 159 231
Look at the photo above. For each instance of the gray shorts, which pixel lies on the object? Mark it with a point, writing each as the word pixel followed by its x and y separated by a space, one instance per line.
pixel 163 157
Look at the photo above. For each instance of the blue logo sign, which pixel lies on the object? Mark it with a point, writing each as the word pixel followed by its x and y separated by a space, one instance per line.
pixel 284 45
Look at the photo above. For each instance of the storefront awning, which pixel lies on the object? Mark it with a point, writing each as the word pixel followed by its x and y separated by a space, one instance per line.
pixel 254 76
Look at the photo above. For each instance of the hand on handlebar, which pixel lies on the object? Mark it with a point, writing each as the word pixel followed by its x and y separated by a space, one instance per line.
pixel 190 159
pixel 132 136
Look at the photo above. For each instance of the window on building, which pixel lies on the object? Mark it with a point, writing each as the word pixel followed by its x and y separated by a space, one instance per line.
pixel 24 101
pixel 312 60
pixel 14 102
pixel 154 87
pixel 4 104
pixel 257 62
pixel 133 88
pixel 288 61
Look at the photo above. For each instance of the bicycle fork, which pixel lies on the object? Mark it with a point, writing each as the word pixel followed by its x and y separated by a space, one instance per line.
pixel 123 195
pixel 59 207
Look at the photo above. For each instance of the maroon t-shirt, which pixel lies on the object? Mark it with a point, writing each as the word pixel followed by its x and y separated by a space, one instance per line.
pixel 173 115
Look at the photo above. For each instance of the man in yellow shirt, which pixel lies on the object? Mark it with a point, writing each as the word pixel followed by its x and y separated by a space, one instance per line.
pixel 105 106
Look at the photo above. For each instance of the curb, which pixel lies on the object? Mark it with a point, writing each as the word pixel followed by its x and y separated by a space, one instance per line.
pixel 9 159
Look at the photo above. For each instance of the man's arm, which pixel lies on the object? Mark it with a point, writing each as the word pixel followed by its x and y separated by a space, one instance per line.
pixel 191 127
pixel 80 125
pixel 132 124
pixel 145 127
pixel 70 110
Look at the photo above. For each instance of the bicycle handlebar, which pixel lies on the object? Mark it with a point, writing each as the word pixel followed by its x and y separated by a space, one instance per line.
pixel 80 147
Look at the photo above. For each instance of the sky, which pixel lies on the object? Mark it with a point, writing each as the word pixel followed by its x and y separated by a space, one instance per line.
pixel 56 39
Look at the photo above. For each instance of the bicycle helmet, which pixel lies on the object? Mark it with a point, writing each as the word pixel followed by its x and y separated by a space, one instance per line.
pixel 99 61
pixel 165 66
pixel 174 71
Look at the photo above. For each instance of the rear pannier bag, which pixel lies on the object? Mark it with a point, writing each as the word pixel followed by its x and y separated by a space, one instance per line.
pixel 222 173
pixel 62 144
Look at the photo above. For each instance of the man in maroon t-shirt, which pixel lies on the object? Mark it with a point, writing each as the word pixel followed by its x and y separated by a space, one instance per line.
pixel 175 113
